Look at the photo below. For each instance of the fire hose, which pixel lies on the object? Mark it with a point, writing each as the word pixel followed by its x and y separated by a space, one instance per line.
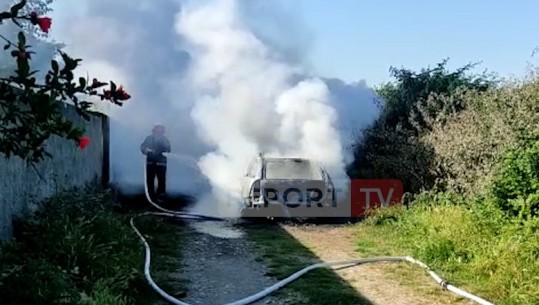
pixel 264 293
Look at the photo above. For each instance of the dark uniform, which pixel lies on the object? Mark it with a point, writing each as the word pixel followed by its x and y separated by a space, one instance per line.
pixel 156 163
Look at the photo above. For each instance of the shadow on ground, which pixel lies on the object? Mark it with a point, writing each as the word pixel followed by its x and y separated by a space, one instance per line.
pixel 281 253
pixel 135 200
pixel 284 255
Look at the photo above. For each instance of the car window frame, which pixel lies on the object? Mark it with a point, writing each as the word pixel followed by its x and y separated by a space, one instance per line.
pixel 252 168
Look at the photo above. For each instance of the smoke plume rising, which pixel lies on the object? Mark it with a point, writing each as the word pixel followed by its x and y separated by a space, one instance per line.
pixel 225 87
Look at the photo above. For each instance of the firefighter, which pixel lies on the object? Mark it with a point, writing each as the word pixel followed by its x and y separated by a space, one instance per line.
pixel 156 163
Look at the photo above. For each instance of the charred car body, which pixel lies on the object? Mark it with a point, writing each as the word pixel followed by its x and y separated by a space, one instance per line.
pixel 286 187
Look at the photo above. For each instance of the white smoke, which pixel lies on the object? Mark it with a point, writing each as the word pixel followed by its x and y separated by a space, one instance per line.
pixel 224 87
pixel 246 101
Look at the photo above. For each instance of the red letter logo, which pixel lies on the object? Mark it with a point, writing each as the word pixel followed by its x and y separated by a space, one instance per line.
pixel 371 194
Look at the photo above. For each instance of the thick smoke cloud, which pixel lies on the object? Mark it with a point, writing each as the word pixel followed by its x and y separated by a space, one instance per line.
pixel 357 107
pixel 226 83
pixel 139 49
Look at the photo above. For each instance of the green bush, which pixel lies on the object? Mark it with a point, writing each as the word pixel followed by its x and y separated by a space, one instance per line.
pixel 477 247
pixel 76 250
pixel 393 148
pixel 94 243
pixel 102 294
pixel 36 281
pixel 516 185
pixel 406 100
pixel 474 166
pixel 469 147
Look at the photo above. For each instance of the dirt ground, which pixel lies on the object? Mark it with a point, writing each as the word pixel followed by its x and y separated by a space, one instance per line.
pixel 220 266
pixel 378 282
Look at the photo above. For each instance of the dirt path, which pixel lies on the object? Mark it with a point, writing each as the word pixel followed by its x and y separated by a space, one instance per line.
pixel 220 266
pixel 375 281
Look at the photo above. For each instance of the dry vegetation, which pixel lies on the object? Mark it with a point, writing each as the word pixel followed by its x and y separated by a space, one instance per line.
pixel 470 156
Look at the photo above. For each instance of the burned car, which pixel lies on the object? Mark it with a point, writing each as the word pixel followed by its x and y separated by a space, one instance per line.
pixel 286 187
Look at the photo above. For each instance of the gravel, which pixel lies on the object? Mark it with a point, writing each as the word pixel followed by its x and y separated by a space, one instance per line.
pixel 220 266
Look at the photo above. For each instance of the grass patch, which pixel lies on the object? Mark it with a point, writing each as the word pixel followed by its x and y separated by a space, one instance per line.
pixel 472 158
pixel 475 247
pixel 76 250
pixel 284 255
pixel 165 238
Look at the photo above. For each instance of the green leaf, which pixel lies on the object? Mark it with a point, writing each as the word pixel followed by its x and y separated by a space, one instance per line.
pixel 22 39
pixel 69 76
pixel 17 7
pixel 5 15
pixel 83 113
pixel 112 86
pixel 82 82
pixel 23 67
pixel 55 66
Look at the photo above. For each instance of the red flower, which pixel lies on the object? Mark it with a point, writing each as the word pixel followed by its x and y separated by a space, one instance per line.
pixel 83 142
pixel 21 53
pixel 122 95
pixel 107 94
pixel 119 94
pixel 43 22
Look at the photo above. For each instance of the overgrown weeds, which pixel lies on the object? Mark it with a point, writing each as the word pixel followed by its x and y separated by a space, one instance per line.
pixel 478 224
pixel 76 250
pixel 477 248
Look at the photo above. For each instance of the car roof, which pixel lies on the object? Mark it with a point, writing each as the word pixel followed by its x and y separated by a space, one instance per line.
pixel 288 159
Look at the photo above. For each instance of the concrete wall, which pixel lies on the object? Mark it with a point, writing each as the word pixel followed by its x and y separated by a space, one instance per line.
pixel 21 188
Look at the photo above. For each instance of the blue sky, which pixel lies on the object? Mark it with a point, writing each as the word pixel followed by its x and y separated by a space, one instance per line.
pixel 354 39
pixel 357 39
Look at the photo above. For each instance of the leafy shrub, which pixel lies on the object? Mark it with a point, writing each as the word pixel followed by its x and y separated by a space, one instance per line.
pixel 475 247
pixel 394 153
pixel 95 243
pixel 37 281
pixel 470 146
pixel 76 250
pixel 406 99
pixel 516 186
pixel 102 294
pixel 30 103
pixel 71 243
pixel 414 104
pixel 474 219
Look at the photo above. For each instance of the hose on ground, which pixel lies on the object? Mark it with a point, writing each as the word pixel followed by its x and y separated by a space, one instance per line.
pixel 264 293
